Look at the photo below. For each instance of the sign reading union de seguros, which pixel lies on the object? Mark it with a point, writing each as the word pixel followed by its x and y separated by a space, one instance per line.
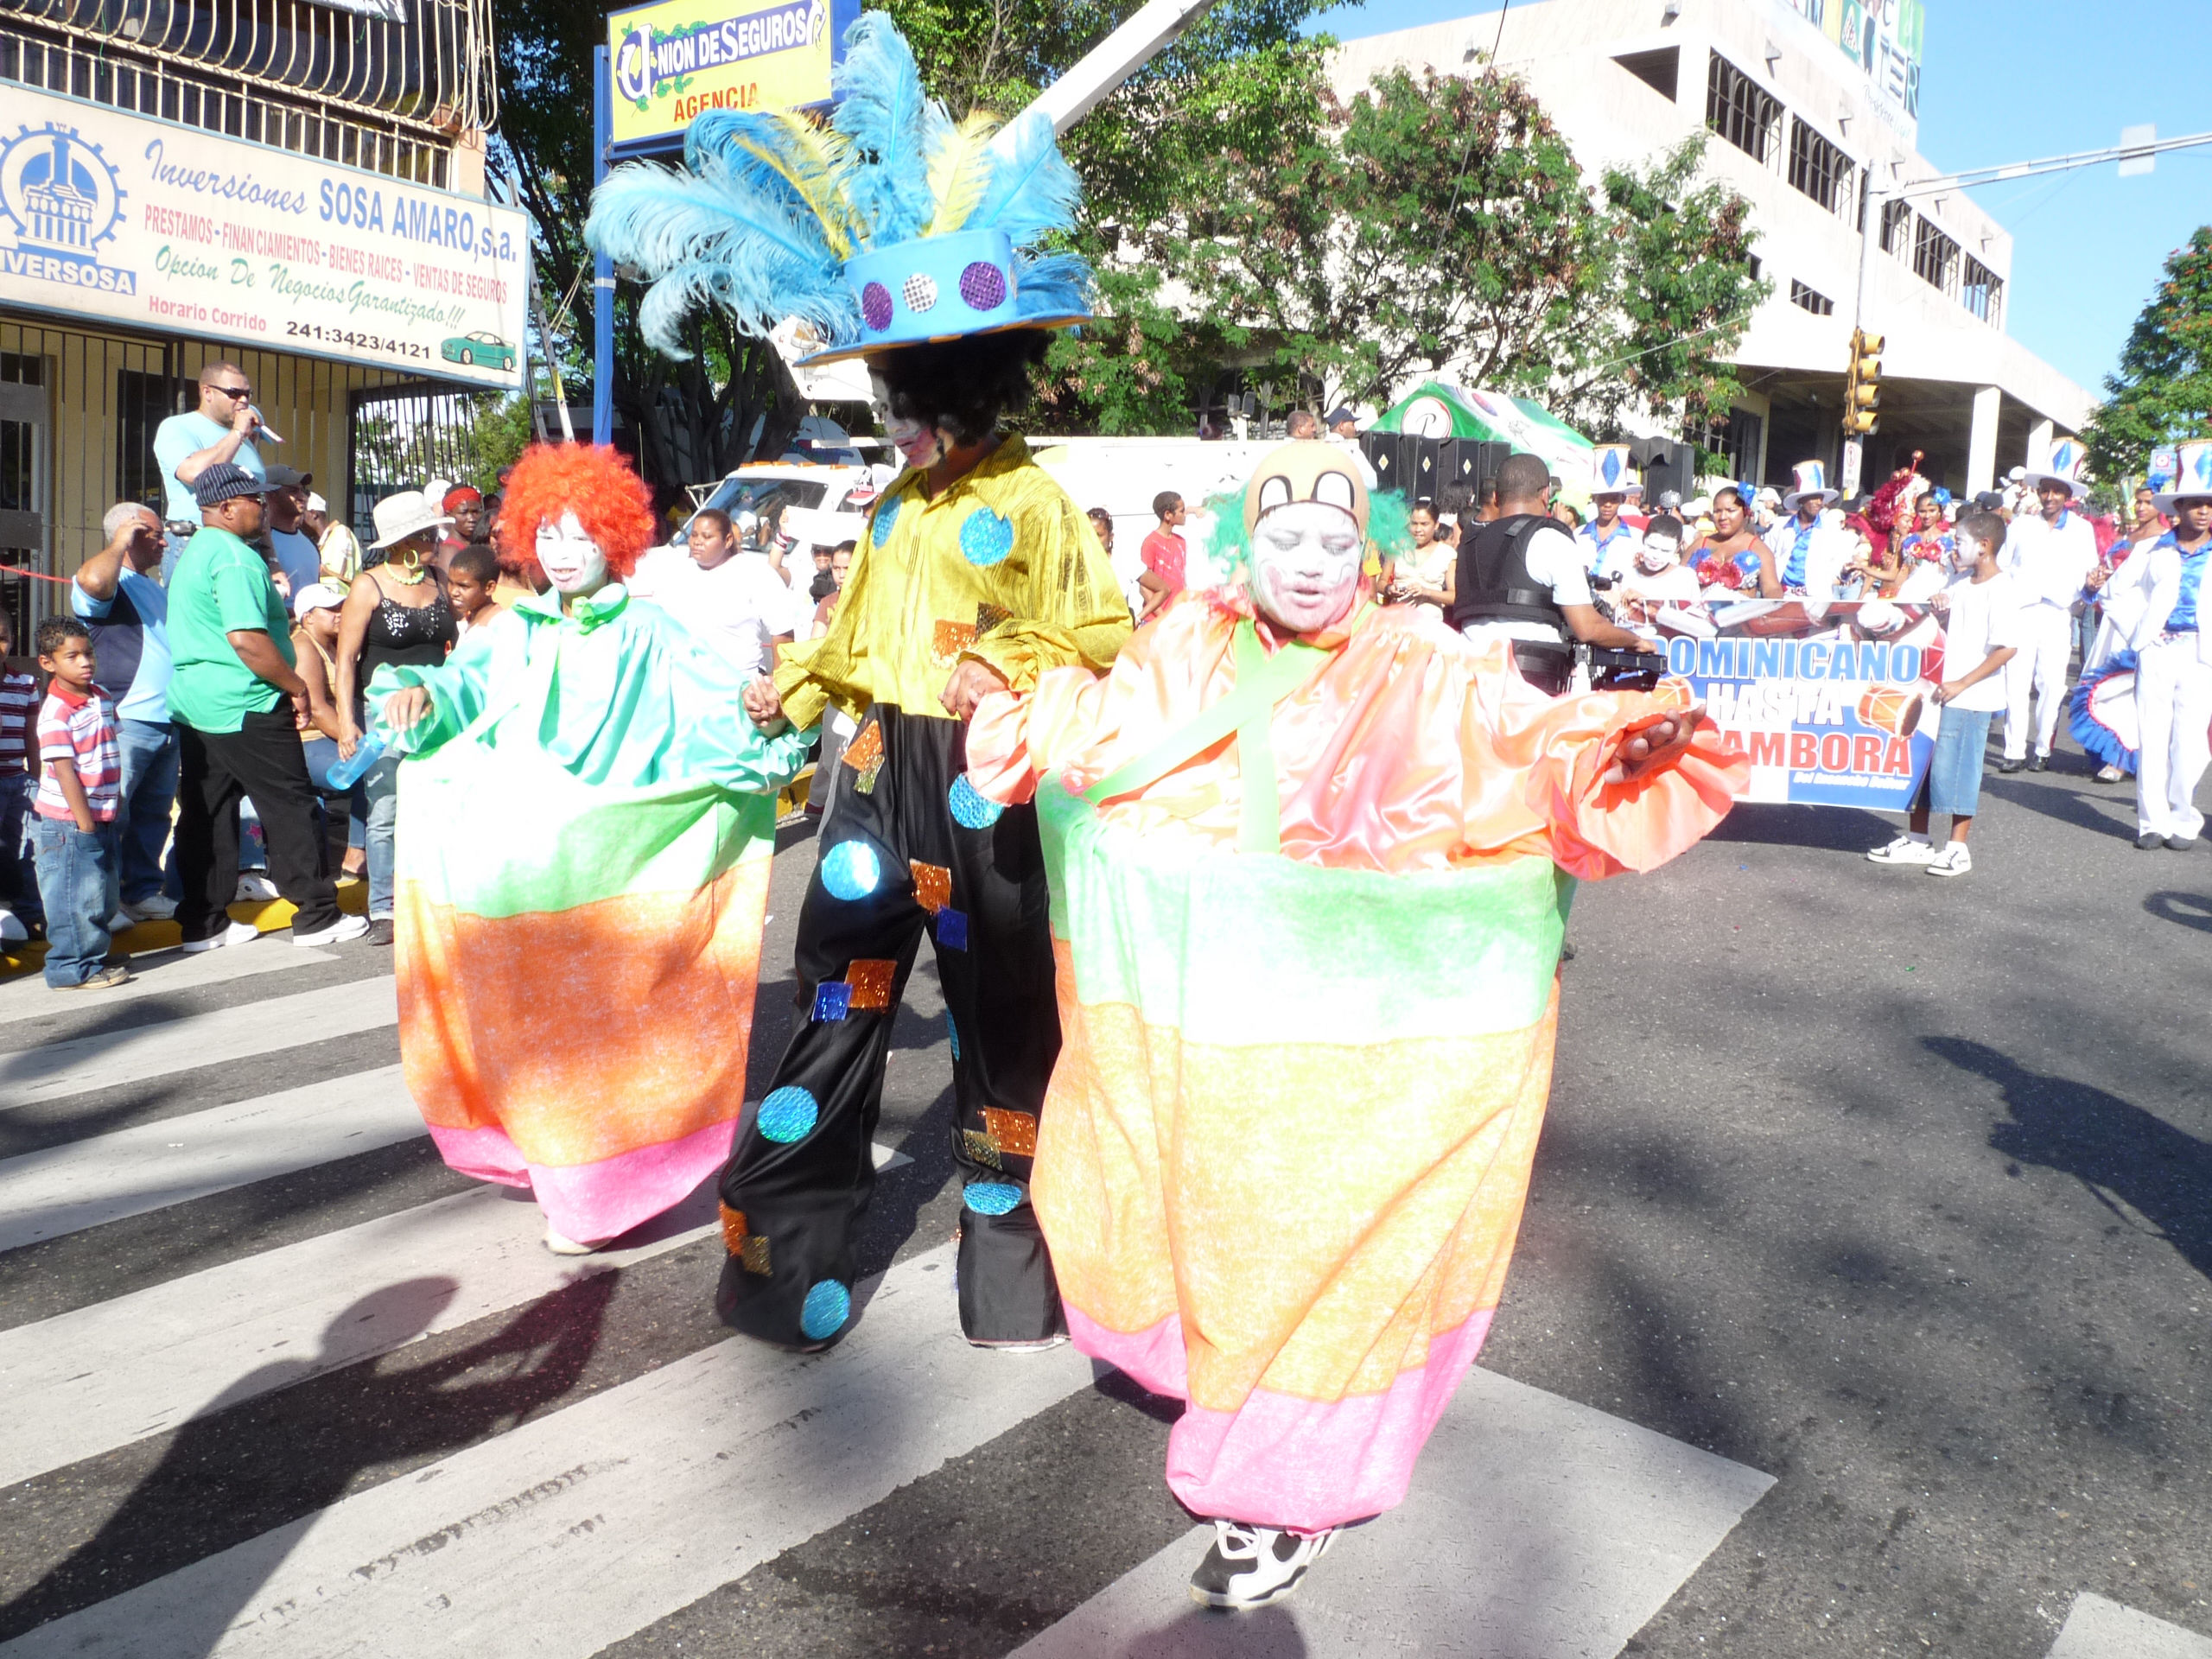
pixel 112 217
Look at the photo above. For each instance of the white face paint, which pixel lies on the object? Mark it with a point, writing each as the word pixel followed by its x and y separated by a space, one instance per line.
pixel 1965 551
pixel 921 446
pixel 1657 553
pixel 1305 565
pixel 571 559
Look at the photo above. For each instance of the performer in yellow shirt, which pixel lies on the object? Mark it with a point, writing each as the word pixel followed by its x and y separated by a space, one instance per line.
pixel 977 574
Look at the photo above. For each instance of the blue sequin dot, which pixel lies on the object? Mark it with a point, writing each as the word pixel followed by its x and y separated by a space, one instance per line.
pixel 788 1113
pixel 991 1197
pixel 968 807
pixel 952 1032
pixel 986 537
pixel 887 515
pixel 851 870
pixel 822 1313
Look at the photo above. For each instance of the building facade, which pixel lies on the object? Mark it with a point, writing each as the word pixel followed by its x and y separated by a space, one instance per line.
pixel 1807 105
pixel 298 187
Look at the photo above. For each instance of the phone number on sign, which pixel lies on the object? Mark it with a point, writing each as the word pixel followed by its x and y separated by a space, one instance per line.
pixel 359 342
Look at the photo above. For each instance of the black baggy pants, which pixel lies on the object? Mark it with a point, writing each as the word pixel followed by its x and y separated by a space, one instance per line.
pixel 907 848
pixel 263 759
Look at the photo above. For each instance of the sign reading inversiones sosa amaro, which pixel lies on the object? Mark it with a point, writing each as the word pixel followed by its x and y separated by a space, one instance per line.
pixel 114 217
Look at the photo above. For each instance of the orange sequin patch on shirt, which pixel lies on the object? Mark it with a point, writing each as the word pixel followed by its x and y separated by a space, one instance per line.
pixel 866 750
pixel 871 982
pixel 1015 1133
pixel 949 640
pixel 932 886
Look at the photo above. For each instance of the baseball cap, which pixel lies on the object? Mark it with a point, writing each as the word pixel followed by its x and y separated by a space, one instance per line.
pixel 287 478
pixel 1339 416
pixel 317 596
pixel 222 481
pixel 1990 500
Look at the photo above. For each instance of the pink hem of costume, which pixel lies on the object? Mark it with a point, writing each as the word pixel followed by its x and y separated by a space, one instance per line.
pixel 592 1203
pixel 1280 1461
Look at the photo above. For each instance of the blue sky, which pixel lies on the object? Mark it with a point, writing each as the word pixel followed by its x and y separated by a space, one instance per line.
pixel 2007 80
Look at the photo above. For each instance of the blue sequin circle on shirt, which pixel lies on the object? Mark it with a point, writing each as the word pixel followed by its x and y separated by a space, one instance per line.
pixel 991 1198
pixel 825 1310
pixel 968 808
pixel 887 515
pixel 788 1113
pixel 986 537
pixel 952 1033
pixel 851 870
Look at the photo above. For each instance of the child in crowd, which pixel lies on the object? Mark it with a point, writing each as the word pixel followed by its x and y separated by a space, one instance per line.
pixel 472 580
pixel 80 797
pixel 1981 630
pixel 19 905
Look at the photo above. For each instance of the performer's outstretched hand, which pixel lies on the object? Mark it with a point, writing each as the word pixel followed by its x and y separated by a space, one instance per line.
pixel 1650 748
pixel 762 704
pixel 403 710
pixel 970 684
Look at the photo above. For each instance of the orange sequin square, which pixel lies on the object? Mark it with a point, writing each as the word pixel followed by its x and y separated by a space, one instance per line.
pixel 866 749
pixel 751 1249
pixel 949 640
pixel 1015 1132
pixel 733 1229
pixel 871 983
pixel 932 886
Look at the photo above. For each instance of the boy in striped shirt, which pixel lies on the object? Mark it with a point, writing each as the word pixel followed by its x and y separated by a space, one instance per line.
pixel 79 797
pixel 19 700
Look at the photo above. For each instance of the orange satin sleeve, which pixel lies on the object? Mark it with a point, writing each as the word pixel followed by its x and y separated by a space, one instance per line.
pixel 1012 734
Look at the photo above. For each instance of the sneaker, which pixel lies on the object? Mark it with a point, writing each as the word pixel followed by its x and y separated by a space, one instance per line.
pixel 379 930
pixel 2041 763
pixel 12 931
pixel 2182 843
pixel 345 928
pixel 159 908
pixel 236 933
pixel 2149 839
pixel 2012 763
pixel 2109 774
pixel 253 886
pixel 122 921
pixel 1044 1345
pixel 106 980
pixel 1250 1566
pixel 561 1244
pixel 1905 849
pixel 1954 860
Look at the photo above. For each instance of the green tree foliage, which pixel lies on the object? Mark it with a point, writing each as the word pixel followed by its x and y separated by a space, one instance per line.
pixel 1437 221
pixel 2163 389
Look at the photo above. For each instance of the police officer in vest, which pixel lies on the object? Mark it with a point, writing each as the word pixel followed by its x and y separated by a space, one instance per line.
pixel 1521 578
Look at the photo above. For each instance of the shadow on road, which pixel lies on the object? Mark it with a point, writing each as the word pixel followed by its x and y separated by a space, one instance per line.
pixel 265 1454
pixel 1823 828
pixel 2115 1148
pixel 2189 909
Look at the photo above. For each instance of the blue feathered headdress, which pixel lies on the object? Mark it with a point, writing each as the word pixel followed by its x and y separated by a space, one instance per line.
pixel 892 224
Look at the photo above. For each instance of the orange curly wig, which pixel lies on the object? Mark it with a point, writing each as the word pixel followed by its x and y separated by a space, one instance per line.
pixel 592 481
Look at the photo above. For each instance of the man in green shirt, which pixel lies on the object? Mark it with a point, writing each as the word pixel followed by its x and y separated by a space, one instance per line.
pixel 237 702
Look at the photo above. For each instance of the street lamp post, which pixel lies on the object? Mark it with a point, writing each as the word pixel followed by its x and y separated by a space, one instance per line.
pixel 2136 153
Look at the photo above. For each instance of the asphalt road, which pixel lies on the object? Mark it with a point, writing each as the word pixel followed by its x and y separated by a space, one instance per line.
pixel 1896 1189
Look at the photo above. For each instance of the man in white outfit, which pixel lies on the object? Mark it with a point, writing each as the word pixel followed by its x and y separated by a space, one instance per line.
pixel 2173 667
pixel 2049 555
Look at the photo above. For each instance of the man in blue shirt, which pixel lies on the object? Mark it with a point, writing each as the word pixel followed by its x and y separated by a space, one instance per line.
pixel 220 430
pixel 126 610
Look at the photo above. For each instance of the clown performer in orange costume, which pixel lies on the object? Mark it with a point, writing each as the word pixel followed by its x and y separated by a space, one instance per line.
pixel 586 825
pixel 1361 951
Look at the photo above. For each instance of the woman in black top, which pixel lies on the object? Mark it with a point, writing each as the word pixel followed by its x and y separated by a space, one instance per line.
pixel 396 611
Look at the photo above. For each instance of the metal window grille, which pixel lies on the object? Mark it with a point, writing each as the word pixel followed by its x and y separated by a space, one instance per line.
pixel 1936 259
pixel 1981 290
pixel 1819 169
pixel 1896 219
pixel 388 88
pixel 1810 300
pixel 406 433
pixel 1742 112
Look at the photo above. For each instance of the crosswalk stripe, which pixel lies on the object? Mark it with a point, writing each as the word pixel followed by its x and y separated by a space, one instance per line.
pixel 27 996
pixel 2098 1629
pixel 104 1178
pixel 52 1070
pixel 575 1529
pixel 1537 1527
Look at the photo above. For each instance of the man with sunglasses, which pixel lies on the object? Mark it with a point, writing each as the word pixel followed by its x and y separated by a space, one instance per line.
pixel 220 431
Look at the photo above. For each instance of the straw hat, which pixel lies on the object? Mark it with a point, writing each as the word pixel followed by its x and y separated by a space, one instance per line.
pixel 408 513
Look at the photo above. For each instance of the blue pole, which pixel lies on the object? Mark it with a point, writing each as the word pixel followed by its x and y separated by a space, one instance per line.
pixel 602 324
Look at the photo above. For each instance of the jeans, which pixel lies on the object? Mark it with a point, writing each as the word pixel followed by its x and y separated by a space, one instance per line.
pixel 382 785
pixel 149 792
pixel 76 878
pixel 18 871
pixel 321 754
pixel 216 768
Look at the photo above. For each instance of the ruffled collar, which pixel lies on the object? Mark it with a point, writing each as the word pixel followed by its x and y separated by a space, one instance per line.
pixel 592 610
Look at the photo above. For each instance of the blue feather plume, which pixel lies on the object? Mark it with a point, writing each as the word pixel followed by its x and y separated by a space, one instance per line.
pixel 1051 285
pixel 1034 193
pixel 888 123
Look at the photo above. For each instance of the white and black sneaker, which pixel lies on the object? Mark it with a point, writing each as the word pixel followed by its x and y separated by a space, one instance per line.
pixel 1905 849
pixel 1251 1567
pixel 1954 860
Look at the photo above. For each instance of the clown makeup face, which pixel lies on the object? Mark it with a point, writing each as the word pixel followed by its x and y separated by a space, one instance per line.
pixel 1305 565
pixel 1966 550
pixel 571 559
pixel 1659 551
pixel 921 447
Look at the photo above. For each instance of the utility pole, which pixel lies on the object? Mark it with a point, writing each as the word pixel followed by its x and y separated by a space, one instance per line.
pixel 2134 155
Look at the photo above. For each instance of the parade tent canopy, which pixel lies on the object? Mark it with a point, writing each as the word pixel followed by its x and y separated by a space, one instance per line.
pixel 1438 408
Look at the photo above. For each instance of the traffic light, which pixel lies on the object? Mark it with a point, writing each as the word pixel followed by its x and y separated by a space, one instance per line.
pixel 1862 384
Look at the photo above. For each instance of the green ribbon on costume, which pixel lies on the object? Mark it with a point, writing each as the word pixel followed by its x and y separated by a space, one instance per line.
pixel 1263 681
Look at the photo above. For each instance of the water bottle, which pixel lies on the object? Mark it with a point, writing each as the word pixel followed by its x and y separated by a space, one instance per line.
pixel 347 773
